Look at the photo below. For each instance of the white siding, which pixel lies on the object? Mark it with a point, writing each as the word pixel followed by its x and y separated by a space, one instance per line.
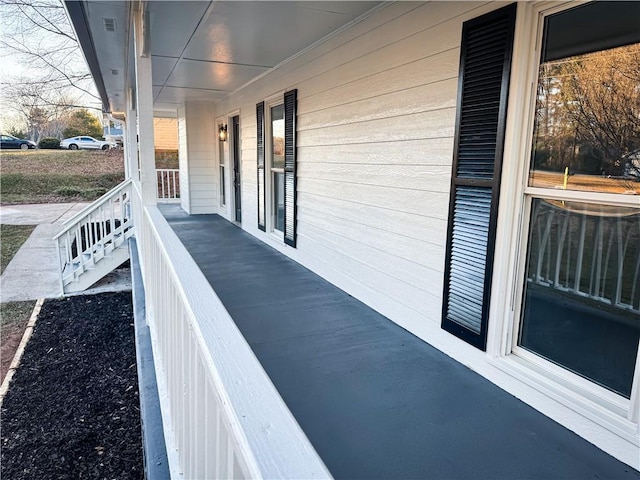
pixel 197 152
pixel 185 198
pixel 376 119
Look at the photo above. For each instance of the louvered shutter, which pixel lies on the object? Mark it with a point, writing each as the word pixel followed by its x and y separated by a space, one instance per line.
pixel 261 171
pixel 290 210
pixel 483 86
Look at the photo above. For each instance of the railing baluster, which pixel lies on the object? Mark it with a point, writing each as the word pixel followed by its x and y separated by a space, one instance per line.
pixel 605 265
pixel 561 239
pixel 544 243
pixel 567 283
pixel 596 262
pixel 583 229
pixel 68 250
pixel 617 296
pixel 175 185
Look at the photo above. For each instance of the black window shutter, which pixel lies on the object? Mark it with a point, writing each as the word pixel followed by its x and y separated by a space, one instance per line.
pixel 261 172
pixel 290 209
pixel 483 87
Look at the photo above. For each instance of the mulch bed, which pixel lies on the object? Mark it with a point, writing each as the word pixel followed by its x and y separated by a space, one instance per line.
pixel 72 409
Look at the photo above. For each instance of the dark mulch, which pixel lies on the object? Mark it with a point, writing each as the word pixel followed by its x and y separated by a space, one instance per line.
pixel 72 408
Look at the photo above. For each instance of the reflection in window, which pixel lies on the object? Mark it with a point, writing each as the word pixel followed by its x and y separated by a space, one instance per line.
pixel 582 296
pixel 277 167
pixel 587 134
pixel 223 190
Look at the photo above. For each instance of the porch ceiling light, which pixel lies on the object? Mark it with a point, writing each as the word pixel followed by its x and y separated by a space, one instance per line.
pixel 222 133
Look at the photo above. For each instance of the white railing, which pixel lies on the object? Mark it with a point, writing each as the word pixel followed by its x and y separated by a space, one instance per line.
pixel 94 233
pixel 223 417
pixel 168 185
pixel 594 256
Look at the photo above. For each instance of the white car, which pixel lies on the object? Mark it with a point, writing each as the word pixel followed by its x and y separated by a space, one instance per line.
pixel 86 143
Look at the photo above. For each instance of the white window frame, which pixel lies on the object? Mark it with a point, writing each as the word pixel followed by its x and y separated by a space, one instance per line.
pixel 613 412
pixel 270 102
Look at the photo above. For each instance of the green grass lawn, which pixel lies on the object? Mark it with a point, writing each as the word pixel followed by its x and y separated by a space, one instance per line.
pixel 53 176
pixel 13 315
pixel 11 239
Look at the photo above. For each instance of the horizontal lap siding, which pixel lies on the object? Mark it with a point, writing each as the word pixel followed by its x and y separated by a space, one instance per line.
pixel 185 178
pixel 165 133
pixel 202 144
pixel 376 120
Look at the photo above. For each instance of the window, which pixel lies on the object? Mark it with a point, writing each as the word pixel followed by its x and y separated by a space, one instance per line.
pixel 277 169
pixel 276 162
pixel 223 193
pixel 580 307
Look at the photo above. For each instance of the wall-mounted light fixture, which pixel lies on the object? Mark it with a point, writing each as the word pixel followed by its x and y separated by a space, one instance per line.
pixel 222 133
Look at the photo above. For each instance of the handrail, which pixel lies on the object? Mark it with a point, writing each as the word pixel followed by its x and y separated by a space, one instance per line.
pixel 94 205
pixel 98 232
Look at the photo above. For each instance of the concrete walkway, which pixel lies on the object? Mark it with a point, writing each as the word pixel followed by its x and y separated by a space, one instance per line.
pixel 33 272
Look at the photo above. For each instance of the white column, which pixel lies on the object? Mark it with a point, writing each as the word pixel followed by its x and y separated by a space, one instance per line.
pixel 131 141
pixel 144 110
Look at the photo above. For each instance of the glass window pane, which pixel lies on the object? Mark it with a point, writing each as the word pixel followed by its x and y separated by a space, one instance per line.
pixel 587 133
pixel 277 131
pixel 278 201
pixel 223 193
pixel 582 294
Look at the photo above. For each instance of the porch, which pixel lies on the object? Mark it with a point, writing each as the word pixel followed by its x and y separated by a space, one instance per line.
pixel 374 400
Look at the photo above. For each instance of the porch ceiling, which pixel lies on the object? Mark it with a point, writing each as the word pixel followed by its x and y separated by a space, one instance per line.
pixel 204 50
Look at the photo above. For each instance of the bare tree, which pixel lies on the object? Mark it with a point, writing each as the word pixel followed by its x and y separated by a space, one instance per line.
pixel 589 110
pixel 54 77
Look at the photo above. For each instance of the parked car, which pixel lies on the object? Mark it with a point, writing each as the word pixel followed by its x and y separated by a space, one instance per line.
pixel 86 143
pixel 8 141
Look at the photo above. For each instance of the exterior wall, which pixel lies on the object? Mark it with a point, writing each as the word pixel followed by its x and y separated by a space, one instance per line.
pixel 376 115
pixel 376 121
pixel 197 157
pixel 165 131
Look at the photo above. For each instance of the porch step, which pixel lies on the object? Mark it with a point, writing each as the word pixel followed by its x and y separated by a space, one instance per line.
pixel 79 279
pixel 94 242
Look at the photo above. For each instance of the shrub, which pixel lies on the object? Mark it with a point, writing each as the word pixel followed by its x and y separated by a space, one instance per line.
pixel 49 143
pixel 93 193
pixel 167 158
pixel 85 193
pixel 68 191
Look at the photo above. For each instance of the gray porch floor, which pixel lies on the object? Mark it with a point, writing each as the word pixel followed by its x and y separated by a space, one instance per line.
pixel 374 400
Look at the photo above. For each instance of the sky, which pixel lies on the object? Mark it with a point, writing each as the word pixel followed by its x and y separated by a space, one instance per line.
pixel 17 30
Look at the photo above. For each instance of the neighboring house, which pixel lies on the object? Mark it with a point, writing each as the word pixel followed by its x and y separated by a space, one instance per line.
pixel 113 133
pixel 165 133
pixel 386 147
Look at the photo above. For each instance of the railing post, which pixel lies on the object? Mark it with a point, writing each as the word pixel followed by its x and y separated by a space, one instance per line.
pixel 60 266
